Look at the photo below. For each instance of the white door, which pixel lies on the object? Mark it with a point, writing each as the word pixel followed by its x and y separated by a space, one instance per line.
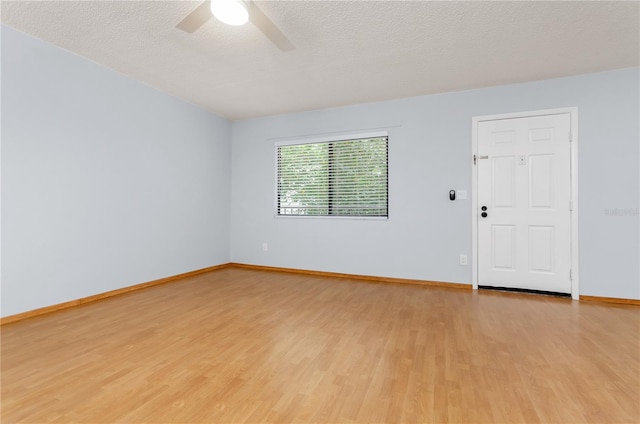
pixel 523 201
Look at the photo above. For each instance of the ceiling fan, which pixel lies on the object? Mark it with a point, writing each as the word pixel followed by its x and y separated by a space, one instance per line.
pixel 235 12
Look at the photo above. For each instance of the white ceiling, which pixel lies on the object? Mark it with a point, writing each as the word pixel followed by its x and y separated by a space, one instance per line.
pixel 347 52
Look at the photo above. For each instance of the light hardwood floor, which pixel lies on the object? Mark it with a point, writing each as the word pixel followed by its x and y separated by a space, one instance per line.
pixel 239 345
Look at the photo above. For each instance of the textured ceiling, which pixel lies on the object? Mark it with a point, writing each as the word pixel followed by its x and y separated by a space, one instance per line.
pixel 346 52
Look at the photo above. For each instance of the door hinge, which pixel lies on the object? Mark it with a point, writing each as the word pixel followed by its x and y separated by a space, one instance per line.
pixel 571 205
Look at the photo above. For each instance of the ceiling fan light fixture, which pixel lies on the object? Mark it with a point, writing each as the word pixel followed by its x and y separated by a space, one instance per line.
pixel 231 12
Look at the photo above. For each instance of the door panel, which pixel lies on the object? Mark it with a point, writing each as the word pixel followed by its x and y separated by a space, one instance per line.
pixel 541 181
pixel 541 249
pixel 503 181
pixel 524 185
pixel 503 238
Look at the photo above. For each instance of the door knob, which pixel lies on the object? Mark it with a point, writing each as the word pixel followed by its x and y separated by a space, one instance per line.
pixel 484 208
pixel 484 214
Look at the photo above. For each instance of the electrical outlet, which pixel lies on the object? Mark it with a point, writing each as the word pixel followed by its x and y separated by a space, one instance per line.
pixel 463 259
pixel 265 246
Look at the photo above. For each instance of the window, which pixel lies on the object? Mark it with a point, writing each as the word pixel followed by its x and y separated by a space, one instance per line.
pixel 334 178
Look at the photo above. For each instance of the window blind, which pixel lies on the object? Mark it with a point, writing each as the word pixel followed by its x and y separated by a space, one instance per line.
pixel 336 178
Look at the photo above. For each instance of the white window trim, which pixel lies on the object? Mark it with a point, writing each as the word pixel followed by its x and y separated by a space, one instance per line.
pixel 328 139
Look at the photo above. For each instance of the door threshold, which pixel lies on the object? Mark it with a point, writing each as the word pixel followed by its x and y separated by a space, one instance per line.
pixel 529 291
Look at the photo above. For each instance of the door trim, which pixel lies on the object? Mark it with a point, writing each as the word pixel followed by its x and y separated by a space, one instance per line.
pixel 573 113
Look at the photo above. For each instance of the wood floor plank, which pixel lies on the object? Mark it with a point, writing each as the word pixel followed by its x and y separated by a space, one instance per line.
pixel 247 346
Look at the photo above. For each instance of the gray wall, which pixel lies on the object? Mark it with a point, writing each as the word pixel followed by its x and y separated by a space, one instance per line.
pixel 429 154
pixel 106 182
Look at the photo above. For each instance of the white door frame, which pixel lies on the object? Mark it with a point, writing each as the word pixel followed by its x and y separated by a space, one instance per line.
pixel 573 112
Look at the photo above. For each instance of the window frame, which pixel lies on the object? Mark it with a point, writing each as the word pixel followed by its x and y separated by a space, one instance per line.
pixel 327 139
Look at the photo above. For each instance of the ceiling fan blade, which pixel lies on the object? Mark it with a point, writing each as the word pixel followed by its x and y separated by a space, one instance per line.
pixel 268 28
pixel 197 18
